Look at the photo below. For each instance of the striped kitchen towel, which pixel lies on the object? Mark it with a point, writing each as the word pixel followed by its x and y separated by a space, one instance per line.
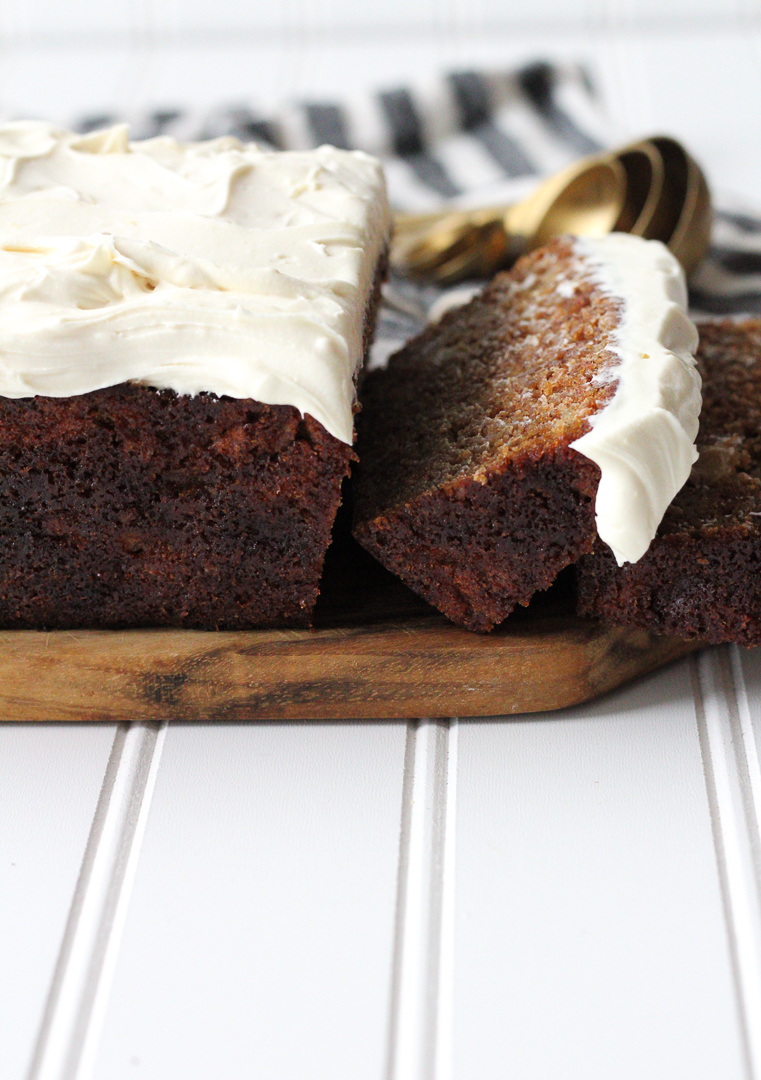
pixel 465 138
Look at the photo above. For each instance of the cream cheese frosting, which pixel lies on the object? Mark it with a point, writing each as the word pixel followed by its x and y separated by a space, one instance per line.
pixel 195 267
pixel 643 440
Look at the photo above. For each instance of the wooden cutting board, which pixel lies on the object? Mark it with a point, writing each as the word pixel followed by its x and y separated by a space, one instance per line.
pixel 377 652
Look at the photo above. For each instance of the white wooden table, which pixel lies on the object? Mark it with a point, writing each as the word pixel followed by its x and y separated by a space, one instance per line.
pixel 574 895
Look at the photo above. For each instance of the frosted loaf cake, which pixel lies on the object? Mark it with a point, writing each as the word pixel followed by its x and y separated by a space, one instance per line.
pixel 181 327
pixel 700 577
pixel 560 404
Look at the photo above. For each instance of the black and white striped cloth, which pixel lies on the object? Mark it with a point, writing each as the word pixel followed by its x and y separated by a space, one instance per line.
pixel 465 138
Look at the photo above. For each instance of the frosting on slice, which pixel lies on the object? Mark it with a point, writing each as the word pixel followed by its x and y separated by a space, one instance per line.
pixel 196 267
pixel 643 440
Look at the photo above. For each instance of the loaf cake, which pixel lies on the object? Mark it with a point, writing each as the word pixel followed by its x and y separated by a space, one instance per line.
pixel 181 328
pixel 701 576
pixel 559 405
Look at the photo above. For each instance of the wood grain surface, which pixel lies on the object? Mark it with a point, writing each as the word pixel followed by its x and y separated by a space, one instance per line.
pixel 377 652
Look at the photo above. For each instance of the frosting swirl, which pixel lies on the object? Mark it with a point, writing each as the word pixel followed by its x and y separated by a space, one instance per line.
pixel 643 440
pixel 196 267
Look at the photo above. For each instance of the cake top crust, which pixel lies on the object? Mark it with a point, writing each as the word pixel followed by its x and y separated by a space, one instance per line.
pixel 506 378
pixel 213 266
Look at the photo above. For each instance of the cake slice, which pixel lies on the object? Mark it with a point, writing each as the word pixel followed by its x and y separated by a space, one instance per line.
pixel 559 405
pixel 701 576
pixel 181 329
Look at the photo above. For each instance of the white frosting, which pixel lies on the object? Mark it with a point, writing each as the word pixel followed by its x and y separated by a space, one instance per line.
pixel 196 267
pixel 643 440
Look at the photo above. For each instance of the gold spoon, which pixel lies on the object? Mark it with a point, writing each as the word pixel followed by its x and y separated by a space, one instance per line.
pixel 645 179
pixel 677 203
pixel 651 188
pixel 587 198
pixel 691 213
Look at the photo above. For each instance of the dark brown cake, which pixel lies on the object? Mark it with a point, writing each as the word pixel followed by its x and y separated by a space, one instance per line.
pixel 701 576
pixel 155 295
pixel 133 507
pixel 467 487
pixel 130 506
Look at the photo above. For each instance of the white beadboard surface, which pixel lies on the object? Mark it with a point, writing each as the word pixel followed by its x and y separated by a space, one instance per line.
pixel 574 896
pixel 260 934
pixel 590 938
pixel 50 779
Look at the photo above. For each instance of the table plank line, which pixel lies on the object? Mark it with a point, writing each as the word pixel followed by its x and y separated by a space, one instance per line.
pixel 420 1031
pixel 729 770
pixel 76 1003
